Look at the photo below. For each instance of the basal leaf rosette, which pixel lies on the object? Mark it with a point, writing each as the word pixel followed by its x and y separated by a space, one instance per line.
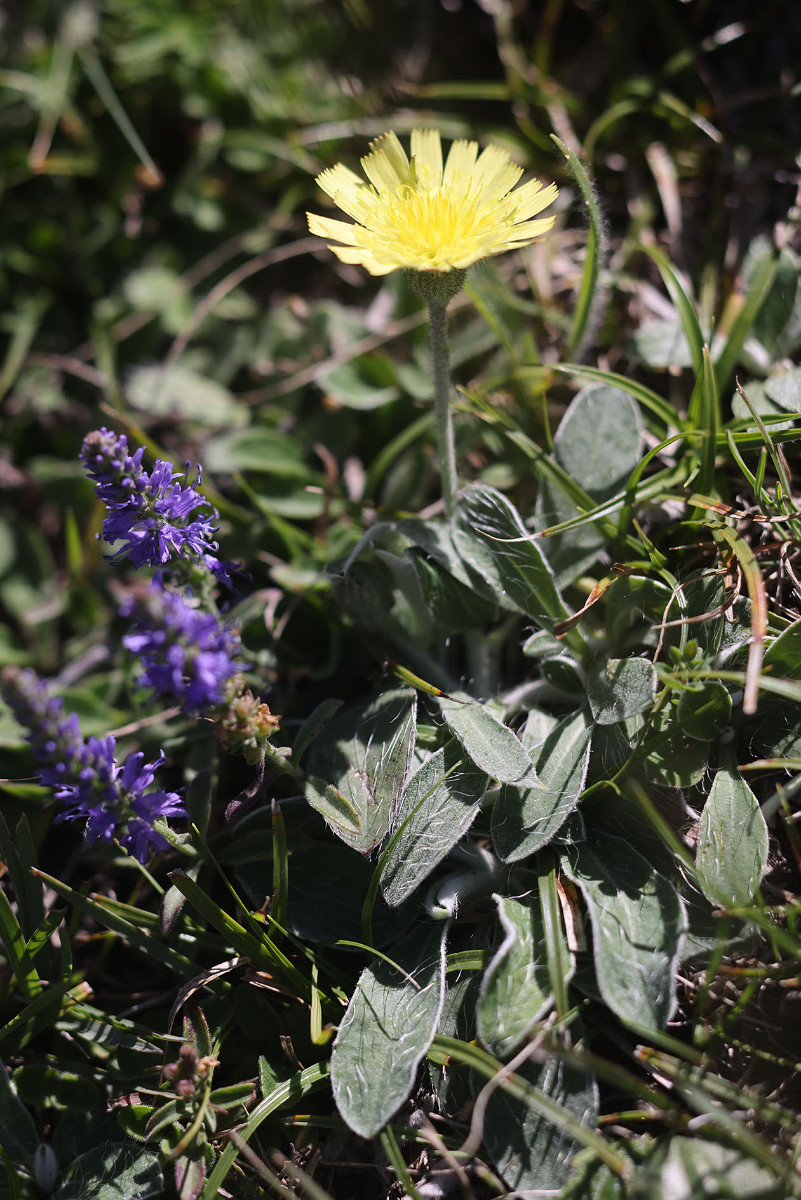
pixel 423 215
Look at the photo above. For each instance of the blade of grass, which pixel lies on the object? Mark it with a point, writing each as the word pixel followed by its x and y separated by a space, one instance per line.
pixel 397 1161
pixel 684 305
pixel 393 450
pixel 484 1064
pixel 142 939
pixel 292 1090
pixel 776 457
pixel 587 298
pixel 102 85
pixel 28 318
pixel 757 295
pixel 278 906
pixel 649 399
pixel 43 933
pixel 559 965
pixel 18 853
pixel 788 689
pixel 19 958
pixel 262 952
pixel 704 417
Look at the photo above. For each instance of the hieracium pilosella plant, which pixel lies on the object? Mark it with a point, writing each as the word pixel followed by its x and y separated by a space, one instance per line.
pixel 433 218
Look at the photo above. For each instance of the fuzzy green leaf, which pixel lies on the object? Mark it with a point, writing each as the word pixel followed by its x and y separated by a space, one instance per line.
pixel 363 756
pixel 516 989
pixel 438 806
pixel 111 1171
pixel 492 746
pixel 732 841
pixel 495 544
pixel 638 926
pixel 620 688
pixel 387 1029
pixel 526 816
pixel 531 1153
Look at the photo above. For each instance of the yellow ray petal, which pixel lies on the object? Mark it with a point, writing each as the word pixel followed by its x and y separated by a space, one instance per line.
pixel 532 197
pixel 361 257
pixel 327 227
pixel 427 155
pixel 461 160
pixel 386 166
pixel 495 173
pixel 519 235
pixel 340 179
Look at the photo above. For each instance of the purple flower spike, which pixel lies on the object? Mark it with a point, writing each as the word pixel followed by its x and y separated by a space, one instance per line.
pixel 184 652
pixel 152 515
pixel 112 799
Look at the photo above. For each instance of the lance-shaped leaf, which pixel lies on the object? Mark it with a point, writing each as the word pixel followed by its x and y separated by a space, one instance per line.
pixel 638 926
pixel 620 688
pixel 358 766
pixel 527 815
pixel 495 544
pixel 732 841
pixel 599 443
pixel 491 745
pixel 385 1033
pixel 438 806
pixel 516 989
pixel 532 1154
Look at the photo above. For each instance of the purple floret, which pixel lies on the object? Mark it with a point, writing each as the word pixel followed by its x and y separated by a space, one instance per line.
pixel 184 652
pixel 111 799
pixel 152 516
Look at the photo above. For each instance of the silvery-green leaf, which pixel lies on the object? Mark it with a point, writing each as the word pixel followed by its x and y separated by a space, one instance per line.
pixel 111 1170
pixel 783 653
pixel 537 728
pixel 620 688
pixel 364 754
pixel 184 394
pixel 492 746
pixel 785 389
pixel 516 989
pixel 598 443
pixel 638 926
pixel 438 806
pixel 532 1154
pixel 387 1029
pixel 693 1169
pixel 337 809
pixel 434 538
pixel 458 1020
pixel 527 816
pixel 498 549
pixel 732 841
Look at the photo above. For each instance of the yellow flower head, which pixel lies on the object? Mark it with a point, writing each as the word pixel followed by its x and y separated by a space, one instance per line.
pixel 426 217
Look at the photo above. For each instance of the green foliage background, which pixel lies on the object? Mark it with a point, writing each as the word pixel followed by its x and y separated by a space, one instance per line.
pixel 156 163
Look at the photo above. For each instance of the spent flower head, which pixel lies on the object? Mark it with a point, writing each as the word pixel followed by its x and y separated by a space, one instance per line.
pixel 184 652
pixel 424 215
pixel 113 799
pixel 153 516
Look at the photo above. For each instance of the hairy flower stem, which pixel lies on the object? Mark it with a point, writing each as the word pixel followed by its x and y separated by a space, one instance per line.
pixel 442 403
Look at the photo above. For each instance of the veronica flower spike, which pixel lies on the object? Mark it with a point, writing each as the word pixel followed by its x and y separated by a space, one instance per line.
pixel 434 219
pixel 182 651
pixel 114 801
pixel 152 516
